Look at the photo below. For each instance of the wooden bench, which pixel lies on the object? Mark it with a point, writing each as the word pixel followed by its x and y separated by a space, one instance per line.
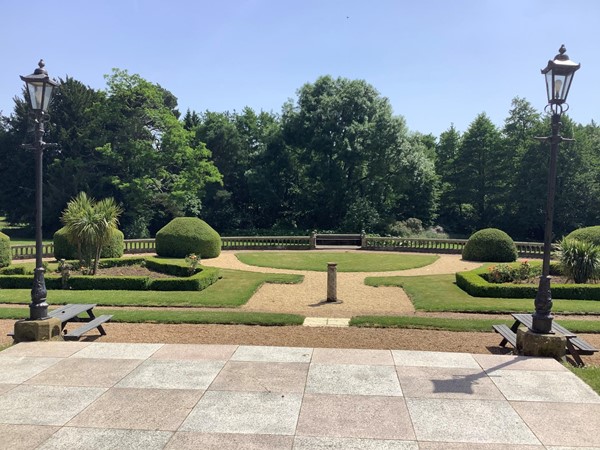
pixel 70 313
pixel 575 346
pixel 508 335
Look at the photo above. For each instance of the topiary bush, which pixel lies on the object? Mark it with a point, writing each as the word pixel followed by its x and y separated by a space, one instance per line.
pixel 490 245
pixel 185 235
pixel 5 253
pixel 588 234
pixel 63 249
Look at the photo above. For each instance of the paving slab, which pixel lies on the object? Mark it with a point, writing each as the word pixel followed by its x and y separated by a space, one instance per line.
pixel 444 382
pixel 56 349
pixel 261 376
pixel 355 416
pixel 272 354
pixel 352 356
pixel 562 424
pixel 45 405
pixel 490 363
pixel 139 409
pixel 316 443
pixel 228 441
pixel 479 446
pixel 85 372
pixel 353 380
pixel 470 421
pixel 167 374
pixel 24 437
pixel 530 385
pixel 195 352
pixel 117 351
pixel 6 387
pixel 17 369
pixel 71 438
pixel 434 359
pixel 245 412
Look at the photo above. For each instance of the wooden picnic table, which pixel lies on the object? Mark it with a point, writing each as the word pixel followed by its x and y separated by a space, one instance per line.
pixel 575 346
pixel 70 313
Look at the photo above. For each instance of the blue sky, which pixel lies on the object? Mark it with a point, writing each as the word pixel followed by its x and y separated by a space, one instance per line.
pixel 438 61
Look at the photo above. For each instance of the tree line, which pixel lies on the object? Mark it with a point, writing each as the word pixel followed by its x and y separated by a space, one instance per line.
pixel 334 158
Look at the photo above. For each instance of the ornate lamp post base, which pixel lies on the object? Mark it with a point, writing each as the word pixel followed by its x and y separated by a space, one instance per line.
pixel 38 308
pixel 542 317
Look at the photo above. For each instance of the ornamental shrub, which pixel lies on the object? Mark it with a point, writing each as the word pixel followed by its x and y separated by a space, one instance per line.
pixel 580 260
pixel 490 245
pixel 63 249
pixel 185 235
pixel 588 234
pixel 5 253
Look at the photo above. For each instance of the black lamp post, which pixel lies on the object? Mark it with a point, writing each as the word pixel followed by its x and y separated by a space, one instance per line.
pixel 40 88
pixel 559 74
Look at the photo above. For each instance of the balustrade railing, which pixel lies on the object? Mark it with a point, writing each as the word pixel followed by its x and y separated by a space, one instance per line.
pixel 455 246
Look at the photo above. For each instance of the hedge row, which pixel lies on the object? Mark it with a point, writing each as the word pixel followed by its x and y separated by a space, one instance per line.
pixel 177 268
pixel 474 284
pixel 197 282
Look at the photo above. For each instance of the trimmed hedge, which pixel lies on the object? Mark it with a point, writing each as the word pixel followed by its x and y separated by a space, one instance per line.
pixel 63 249
pixel 177 267
pixel 26 281
pixel 185 235
pixel 107 283
pixel 490 245
pixel 588 234
pixel 473 283
pixel 5 252
pixel 197 282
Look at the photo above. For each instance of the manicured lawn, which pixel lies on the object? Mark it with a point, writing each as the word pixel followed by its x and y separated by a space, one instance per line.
pixel 234 289
pixel 183 316
pixel 440 293
pixel 589 374
pixel 346 261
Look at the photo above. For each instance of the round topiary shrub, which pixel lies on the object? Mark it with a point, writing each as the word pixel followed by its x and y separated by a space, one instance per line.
pixel 63 249
pixel 490 245
pixel 588 234
pixel 185 235
pixel 5 253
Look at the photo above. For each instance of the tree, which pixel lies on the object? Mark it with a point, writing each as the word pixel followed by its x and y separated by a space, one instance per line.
pixel 89 224
pixel 351 149
pixel 451 214
pixel 481 170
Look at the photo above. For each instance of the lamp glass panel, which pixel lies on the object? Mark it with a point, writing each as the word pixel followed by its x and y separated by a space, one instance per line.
pixel 36 90
pixel 47 96
pixel 549 85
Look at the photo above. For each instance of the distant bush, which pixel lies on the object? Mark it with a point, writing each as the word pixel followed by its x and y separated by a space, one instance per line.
pixel 413 228
pixel 5 252
pixel 588 234
pixel 63 249
pixel 490 245
pixel 185 235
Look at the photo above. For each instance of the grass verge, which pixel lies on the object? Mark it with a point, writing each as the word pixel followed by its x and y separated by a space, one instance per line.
pixel 440 293
pixel 234 289
pixel 471 325
pixel 184 316
pixel 589 374
pixel 346 261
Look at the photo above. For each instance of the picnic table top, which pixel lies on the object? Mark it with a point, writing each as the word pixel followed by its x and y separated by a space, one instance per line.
pixel 70 311
pixel 527 320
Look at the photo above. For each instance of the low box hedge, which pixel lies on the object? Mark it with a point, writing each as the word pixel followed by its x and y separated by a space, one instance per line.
pixel 197 282
pixel 474 283
pixel 26 281
pixel 108 283
pixel 176 267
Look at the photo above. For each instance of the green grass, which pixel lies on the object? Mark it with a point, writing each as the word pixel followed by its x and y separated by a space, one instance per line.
pixel 440 293
pixel 472 325
pixel 183 316
pixel 233 290
pixel 346 261
pixel 589 374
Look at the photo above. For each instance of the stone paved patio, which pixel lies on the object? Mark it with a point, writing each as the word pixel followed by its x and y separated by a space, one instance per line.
pixel 83 395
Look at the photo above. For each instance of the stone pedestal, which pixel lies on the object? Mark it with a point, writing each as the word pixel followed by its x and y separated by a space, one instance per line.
pixel 37 330
pixel 535 344
pixel 332 282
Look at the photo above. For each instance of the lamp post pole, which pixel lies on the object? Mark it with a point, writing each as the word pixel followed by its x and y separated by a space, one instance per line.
pixel 559 75
pixel 40 88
